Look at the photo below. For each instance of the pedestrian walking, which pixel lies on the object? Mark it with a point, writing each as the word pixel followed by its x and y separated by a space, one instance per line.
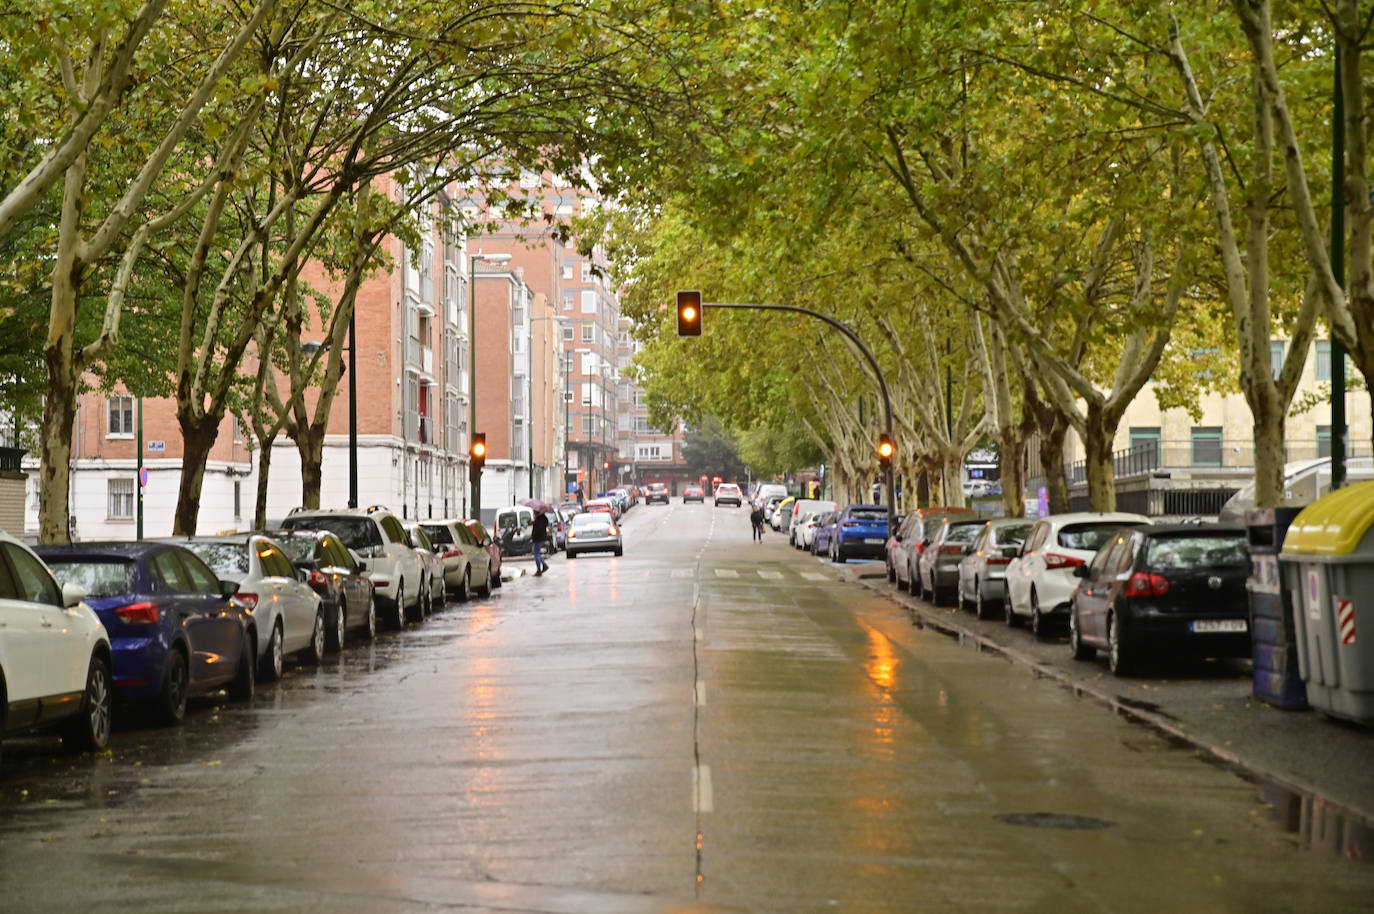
pixel 756 518
pixel 538 537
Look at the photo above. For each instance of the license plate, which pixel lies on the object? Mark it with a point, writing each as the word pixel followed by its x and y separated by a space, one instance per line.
pixel 874 541
pixel 1207 626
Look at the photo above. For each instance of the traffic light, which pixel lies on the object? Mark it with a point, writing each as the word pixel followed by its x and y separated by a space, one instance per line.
pixel 688 313
pixel 885 451
pixel 477 455
pixel 605 464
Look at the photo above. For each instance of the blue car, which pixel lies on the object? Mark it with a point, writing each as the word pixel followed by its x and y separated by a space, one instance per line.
pixel 860 532
pixel 174 627
pixel 824 533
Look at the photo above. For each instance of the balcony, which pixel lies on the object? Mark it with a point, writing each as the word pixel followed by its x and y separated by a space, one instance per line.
pixel 1203 457
pixel 426 430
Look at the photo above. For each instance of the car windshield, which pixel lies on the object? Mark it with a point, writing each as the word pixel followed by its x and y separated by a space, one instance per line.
pixel 1013 534
pixel 964 532
pixel 298 548
pixel 1089 536
pixel 591 520
pixel 224 558
pixel 103 577
pixel 1185 551
pixel 870 514
pixel 437 533
pixel 357 533
pixel 508 521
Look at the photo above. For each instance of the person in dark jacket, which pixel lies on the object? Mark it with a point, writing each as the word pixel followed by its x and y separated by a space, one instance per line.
pixel 538 537
pixel 756 518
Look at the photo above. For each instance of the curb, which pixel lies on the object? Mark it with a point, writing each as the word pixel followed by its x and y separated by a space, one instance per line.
pixel 942 623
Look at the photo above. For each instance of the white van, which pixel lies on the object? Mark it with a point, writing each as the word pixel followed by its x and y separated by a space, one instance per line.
pixel 768 490
pixel 513 530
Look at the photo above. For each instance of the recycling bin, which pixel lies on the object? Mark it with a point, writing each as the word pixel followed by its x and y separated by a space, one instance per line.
pixel 1327 564
pixel 1275 678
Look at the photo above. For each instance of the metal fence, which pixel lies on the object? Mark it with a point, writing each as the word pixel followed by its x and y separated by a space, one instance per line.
pixel 1164 502
pixel 1202 454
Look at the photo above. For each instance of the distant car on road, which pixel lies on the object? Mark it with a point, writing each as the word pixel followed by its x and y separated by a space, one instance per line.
pixel 594 532
pixel 728 493
pixel 694 493
pixel 658 492
pixel 1158 592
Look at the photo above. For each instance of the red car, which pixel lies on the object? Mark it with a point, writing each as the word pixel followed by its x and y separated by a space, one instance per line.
pixel 493 549
pixel 694 493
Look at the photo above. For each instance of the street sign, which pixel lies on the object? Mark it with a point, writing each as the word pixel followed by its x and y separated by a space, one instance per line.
pixel 158 446
pixel 142 476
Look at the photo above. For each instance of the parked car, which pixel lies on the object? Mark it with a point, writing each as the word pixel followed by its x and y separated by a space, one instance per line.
pixel 55 656
pixel 594 533
pixel 467 565
pixel 1158 592
pixel 337 576
pixel 824 531
pixel 379 541
pixel 175 629
pixel 938 567
pixel 557 533
pixel 781 518
pixel 569 508
pixel 802 507
pixel 860 532
pixel 1040 581
pixel 804 530
pixel 657 492
pixel 513 529
pixel 982 572
pixel 286 612
pixel 728 493
pixel 485 540
pixel 434 594
pixel 601 506
pixel 767 490
pixel 694 493
pixel 905 548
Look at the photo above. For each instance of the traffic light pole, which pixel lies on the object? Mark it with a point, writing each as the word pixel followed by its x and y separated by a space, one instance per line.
pixel 877 376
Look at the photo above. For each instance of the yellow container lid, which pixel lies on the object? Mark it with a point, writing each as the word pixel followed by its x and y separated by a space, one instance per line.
pixel 1333 524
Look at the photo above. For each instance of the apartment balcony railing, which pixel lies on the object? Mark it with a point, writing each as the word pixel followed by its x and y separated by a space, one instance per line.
pixel 1204 455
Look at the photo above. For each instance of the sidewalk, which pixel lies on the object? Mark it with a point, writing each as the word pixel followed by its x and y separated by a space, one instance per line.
pixel 1316 772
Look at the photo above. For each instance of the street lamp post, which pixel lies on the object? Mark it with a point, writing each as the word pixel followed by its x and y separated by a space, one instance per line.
pixel 476 482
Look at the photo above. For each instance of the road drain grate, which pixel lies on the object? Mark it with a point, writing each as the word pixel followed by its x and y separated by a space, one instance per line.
pixel 1053 820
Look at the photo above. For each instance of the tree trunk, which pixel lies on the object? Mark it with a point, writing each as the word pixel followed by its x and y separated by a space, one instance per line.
pixel 1052 464
pixel 198 437
pixel 264 474
pixel 55 444
pixel 1011 453
pixel 1268 413
pixel 951 469
pixel 1101 476
pixel 310 446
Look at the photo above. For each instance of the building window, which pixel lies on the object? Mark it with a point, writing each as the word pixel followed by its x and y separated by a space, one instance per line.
pixel 587 271
pixel 529 178
pixel 1206 446
pixel 121 497
pixel 1323 441
pixel 588 426
pixel 1276 348
pixel 1145 447
pixel 567 269
pixel 238 499
pixel 586 394
pixel 121 416
pixel 1322 365
pixel 589 332
pixel 567 332
pixel 589 302
pixel 567 301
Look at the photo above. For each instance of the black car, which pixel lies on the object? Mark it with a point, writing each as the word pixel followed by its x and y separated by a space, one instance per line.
pixel 1152 593
pixel 658 492
pixel 332 572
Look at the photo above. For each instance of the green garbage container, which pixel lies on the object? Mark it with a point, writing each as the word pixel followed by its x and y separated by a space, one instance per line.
pixel 1327 565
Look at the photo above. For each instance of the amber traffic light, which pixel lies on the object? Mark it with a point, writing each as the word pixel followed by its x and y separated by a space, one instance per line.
pixel 477 455
pixel 885 451
pixel 688 313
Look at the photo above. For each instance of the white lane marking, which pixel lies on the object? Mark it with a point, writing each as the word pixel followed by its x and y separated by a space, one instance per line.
pixel 770 575
pixel 701 694
pixel 683 572
pixel 702 799
pixel 726 573
pixel 815 576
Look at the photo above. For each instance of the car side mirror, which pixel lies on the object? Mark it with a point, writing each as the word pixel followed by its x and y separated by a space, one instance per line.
pixel 1011 552
pixel 1080 571
pixel 227 588
pixel 72 594
pixel 302 575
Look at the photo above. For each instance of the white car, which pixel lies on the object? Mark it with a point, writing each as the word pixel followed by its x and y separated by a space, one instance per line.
pixel 1040 580
pixel 729 492
pixel 436 569
pixel 379 541
pixel 54 654
pixel 804 530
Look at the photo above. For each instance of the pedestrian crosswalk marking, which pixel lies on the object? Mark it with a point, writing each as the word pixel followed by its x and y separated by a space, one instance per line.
pixel 815 576
pixel 683 572
pixel 726 573
pixel 770 575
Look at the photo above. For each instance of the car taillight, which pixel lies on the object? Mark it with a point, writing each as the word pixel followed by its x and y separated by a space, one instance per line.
pixel 951 550
pixel 572 534
pixel 1054 560
pixel 452 552
pixel 611 531
pixel 998 560
pixel 249 600
pixel 138 613
pixel 317 579
pixel 921 548
pixel 1147 585
pixel 851 523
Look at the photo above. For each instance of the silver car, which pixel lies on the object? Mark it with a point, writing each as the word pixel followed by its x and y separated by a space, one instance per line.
pixel 435 582
pixel 938 566
pixel 597 532
pixel 467 566
pixel 288 613
pixel 983 572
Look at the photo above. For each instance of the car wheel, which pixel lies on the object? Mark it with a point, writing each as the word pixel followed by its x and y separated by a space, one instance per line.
pixel 340 631
pixel 1039 624
pixel 980 608
pixel 1080 650
pixel 245 677
pixel 1119 656
pixel 495 579
pixel 272 659
pixel 89 729
pixel 1013 620
pixel 571 555
pixel 891 573
pixel 399 619
pixel 620 551
pixel 485 590
pixel 465 589
pixel 315 652
pixel 423 601
pixel 176 681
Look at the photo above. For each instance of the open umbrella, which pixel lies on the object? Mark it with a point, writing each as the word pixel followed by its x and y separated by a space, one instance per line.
pixel 542 507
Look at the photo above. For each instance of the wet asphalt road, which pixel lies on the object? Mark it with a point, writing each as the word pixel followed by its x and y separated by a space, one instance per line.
pixel 703 724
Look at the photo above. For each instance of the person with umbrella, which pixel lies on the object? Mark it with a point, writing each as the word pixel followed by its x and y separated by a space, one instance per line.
pixel 540 534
